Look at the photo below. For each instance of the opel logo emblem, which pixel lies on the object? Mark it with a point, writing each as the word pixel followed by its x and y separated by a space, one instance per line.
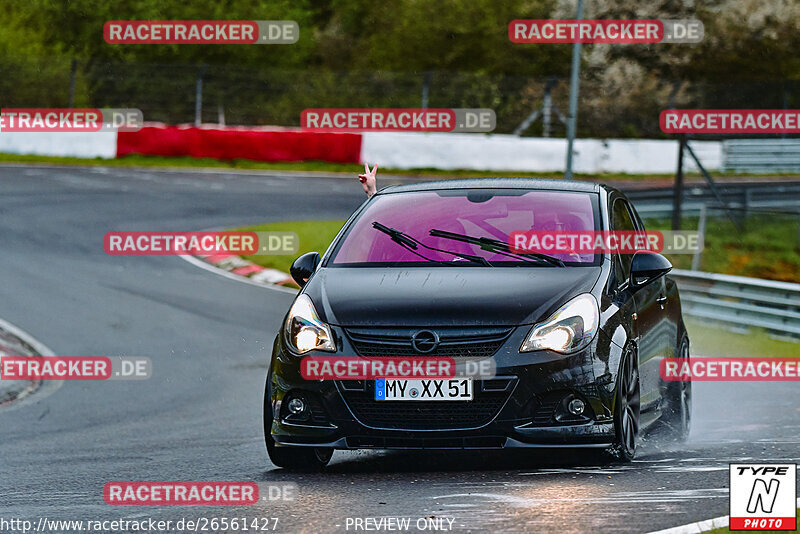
pixel 425 341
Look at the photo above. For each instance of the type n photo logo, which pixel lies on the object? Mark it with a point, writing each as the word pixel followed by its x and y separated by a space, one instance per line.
pixel 763 497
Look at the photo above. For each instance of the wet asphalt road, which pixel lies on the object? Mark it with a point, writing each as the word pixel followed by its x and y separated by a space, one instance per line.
pixel 199 416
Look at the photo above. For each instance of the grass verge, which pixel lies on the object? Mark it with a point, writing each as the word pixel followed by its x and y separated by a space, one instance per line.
pixel 314 236
pixel 713 340
pixel 310 166
pixel 768 246
pixel 322 166
pixel 721 530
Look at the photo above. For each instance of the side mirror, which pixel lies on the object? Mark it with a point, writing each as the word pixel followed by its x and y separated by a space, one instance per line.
pixel 646 267
pixel 303 267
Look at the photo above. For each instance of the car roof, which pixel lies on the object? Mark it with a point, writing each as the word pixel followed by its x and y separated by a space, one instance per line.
pixel 497 183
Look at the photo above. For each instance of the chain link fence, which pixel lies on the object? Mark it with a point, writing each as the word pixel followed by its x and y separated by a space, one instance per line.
pixel 236 95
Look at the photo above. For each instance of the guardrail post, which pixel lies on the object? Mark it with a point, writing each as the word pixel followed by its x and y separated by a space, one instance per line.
pixel 798 229
pixel 572 116
pixel 677 195
pixel 198 96
pixel 745 205
pixel 73 70
pixel 712 186
pixel 701 231
pixel 426 87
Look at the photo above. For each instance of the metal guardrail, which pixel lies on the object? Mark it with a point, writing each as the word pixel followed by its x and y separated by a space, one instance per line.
pixel 786 207
pixel 741 301
pixel 741 197
pixel 775 196
pixel 732 192
pixel 761 155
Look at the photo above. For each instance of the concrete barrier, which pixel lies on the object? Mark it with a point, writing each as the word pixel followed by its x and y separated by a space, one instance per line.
pixel 66 144
pixel 510 153
pixel 400 150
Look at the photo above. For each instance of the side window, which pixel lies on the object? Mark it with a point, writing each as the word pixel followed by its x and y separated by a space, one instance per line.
pixel 637 220
pixel 621 221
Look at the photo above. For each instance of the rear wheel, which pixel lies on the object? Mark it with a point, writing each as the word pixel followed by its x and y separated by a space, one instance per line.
pixel 676 418
pixel 626 413
pixel 292 458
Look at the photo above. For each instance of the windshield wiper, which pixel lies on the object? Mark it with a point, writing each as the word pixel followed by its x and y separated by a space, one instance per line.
pixel 497 246
pixel 411 244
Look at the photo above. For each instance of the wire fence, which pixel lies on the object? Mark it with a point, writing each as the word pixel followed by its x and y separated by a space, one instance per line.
pixel 764 242
pixel 237 95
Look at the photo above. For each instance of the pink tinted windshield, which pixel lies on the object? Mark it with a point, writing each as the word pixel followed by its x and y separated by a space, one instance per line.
pixel 453 211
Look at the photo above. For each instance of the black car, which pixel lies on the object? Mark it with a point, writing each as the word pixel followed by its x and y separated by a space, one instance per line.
pixel 427 270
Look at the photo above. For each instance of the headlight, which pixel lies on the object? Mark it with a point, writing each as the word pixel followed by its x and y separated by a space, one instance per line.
pixel 569 329
pixel 303 329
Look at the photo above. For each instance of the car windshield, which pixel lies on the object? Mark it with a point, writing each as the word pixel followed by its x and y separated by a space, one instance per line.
pixel 402 234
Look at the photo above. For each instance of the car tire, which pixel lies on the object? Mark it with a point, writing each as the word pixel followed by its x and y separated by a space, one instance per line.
pixel 626 407
pixel 299 458
pixel 291 458
pixel 676 417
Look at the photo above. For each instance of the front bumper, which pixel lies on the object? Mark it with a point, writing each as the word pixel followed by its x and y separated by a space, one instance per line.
pixel 523 406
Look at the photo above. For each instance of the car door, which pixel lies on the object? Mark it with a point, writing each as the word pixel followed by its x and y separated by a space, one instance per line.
pixel 666 329
pixel 647 315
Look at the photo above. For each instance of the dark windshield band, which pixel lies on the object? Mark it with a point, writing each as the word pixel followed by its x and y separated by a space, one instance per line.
pixel 464 227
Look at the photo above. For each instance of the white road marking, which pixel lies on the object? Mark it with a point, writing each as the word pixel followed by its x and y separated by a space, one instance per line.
pixel 687 469
pixel 700 526
pixel 208 267
pixel 656 496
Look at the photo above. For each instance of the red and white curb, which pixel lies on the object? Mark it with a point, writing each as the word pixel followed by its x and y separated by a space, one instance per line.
pixel 701 526
pixel 16 342
pixel 237 268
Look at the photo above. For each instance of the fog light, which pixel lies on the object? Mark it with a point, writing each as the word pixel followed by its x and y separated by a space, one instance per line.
pixel 296 406
pixel 575 407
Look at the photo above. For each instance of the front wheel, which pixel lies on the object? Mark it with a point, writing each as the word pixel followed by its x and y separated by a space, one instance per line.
pixel 292 458
pixel 298 458
pixel 626 413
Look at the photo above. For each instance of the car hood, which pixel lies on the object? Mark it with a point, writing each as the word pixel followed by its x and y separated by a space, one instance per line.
pixel 442 296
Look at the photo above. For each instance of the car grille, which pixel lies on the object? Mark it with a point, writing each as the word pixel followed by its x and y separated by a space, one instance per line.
pixel 453 342
pixel 426 415
pixel 477 442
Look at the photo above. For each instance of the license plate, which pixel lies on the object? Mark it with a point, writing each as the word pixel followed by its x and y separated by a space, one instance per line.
pixel 454 389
